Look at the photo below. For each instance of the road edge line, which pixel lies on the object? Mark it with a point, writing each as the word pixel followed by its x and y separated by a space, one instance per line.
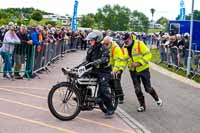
pixel 130 121
pixel 173 75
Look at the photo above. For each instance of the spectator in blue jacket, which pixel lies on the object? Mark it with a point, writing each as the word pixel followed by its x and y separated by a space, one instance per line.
pixel 34 36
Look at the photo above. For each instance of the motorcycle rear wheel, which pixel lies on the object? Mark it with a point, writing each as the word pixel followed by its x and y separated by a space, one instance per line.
pixel 114 102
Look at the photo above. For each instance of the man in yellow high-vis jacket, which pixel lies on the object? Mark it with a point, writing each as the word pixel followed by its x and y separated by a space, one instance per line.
pixel 137 57
pixel 116 58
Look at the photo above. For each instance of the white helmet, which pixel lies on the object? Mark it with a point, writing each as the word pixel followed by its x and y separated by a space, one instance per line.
pixel 186 34
pixel 96 35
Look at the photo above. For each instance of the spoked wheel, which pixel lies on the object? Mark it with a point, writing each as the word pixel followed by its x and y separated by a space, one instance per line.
pixel 64 101
pixel 114 102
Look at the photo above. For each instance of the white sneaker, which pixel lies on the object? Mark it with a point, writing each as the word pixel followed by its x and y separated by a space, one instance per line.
pixel 159 103
pixel 141 109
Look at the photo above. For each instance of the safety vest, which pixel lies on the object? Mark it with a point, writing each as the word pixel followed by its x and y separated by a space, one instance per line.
pixel 116 57
pixel 134 37
pixel 40 37
pixel 140 53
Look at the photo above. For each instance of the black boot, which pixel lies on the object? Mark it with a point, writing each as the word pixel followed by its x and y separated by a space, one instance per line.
pixel 154 94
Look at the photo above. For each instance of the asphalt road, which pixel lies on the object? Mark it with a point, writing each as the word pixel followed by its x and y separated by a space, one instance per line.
pixel 23 106
pixel 180 113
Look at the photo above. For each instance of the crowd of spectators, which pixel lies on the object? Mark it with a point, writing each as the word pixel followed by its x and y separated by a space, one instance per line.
pixel 16 43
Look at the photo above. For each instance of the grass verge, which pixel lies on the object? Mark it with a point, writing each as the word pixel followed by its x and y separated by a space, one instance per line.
pixel 156 58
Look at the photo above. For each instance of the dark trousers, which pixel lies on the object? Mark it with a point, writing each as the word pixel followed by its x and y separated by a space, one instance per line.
pixel 83 45
pixel 29 60
pixel 143 76
pixel 104 93
pixel 115 83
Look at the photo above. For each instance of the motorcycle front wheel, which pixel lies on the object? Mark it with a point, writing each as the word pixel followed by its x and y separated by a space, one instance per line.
pixel 64 101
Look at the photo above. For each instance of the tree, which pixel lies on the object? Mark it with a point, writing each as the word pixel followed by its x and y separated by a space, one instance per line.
pixel 36 15
pixel 53 23
pixel 152 12
pixel 3 15
pixel 115 18
pixel 188 17
pixel 4 21
pixel 195 17
pixel 162 21
pixel 87 20
pixel 138 22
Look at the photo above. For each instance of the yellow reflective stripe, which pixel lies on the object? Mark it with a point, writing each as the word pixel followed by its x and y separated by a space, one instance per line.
pixel 116 58
pixel 116 67
pixel 145 61
pixel 125 59
pixel 138 54
pixel 119 59
pixel 119 68
pixel 146 53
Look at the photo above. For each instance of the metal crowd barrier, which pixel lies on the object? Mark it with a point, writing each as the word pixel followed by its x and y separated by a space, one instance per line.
pixel 19 61
pixel 49 54
pixel 177 57
pixel 32 60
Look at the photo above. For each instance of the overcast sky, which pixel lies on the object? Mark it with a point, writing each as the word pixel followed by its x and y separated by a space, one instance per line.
pixel 167 8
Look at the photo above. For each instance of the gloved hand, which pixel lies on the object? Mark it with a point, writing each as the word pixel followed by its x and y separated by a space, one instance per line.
pixel 116 74
pixel 135 64
pixel 97 62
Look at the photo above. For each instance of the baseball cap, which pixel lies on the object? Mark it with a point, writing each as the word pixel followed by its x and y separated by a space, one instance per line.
pixel 186 34
pixel 125 36
pixel 172 33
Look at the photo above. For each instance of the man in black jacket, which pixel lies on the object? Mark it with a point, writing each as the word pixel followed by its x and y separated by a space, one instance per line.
pixel 21 51
pixel 99 54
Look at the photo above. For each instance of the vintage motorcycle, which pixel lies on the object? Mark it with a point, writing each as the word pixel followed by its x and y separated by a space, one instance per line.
pixel 78 93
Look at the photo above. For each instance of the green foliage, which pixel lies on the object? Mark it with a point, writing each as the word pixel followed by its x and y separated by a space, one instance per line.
pixel 53 23
pixel 113 18
pixel 18 15
pixel 32 22
pixel 59 23
pixel 3 15
pixel 195 17
pixel 162 20
pixel 116 18
pixel 188 17
pixel 4 21
pixel 153 30
pixel 138 22
pixel 36 15
pixel 87 20
pixel 156 58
